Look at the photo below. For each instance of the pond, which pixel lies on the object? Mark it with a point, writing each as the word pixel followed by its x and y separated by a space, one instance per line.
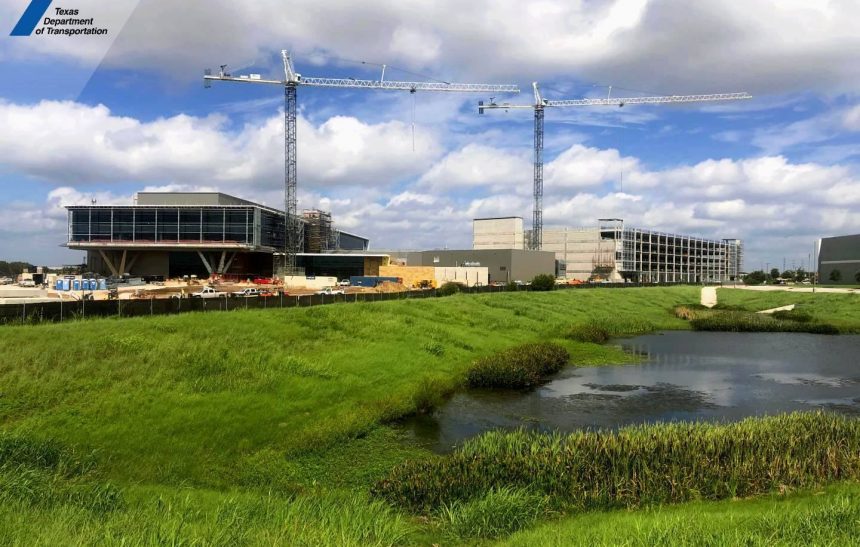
pixel 685 376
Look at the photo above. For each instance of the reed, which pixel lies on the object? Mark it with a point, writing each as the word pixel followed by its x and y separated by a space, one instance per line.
pixel 641 465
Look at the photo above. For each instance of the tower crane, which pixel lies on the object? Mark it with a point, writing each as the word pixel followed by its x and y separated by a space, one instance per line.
pixel 292 80
pixel 540 104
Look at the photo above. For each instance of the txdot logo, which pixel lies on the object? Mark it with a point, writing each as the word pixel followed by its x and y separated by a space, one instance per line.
pixel 58 21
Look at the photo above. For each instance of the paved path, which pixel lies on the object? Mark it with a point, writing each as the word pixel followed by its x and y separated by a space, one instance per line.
pixel 709 297
pixel 781 308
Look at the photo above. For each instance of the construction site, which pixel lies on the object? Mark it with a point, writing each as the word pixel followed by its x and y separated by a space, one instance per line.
pixel 207 244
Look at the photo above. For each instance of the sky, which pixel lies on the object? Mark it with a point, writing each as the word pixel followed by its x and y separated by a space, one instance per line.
pixel 101 117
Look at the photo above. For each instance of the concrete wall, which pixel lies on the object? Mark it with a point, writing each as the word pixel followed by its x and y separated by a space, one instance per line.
pixel 839 253
pixel 525 265
pixel 497 233
pixel 467 276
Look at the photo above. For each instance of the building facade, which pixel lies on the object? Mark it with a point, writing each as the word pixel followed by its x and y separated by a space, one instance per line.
pixel 612 251
pixel 839 260
pixel 172 234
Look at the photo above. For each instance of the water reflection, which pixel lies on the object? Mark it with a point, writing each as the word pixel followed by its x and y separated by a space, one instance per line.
pixel 687 376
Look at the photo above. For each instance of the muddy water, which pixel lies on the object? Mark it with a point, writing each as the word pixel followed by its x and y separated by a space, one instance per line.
pixel 686 376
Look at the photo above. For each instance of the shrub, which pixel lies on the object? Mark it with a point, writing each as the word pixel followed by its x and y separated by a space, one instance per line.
pixel 589 332
pixel 448 288
pixel 502 511
pixel 600 330
pixel 518 367
pixel 543 282
pixel 647 464
pixel 511 286
pixel 835 275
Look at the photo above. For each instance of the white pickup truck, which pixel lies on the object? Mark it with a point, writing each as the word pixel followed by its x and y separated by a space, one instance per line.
pixel 331 291
pixel 207 292
pixel 250 292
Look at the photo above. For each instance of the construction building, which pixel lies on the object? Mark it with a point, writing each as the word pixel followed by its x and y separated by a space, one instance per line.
pixel 498 233
pixel 611 251
pixel 173 234
pixel 839 260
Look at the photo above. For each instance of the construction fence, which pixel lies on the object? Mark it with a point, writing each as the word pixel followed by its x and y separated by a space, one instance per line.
pixel 60 310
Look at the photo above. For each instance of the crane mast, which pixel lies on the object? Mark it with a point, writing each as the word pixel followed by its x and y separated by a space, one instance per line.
pixel 540 104
pixel 292 80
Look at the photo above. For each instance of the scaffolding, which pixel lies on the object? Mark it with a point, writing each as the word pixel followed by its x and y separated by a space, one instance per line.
pixel 319 234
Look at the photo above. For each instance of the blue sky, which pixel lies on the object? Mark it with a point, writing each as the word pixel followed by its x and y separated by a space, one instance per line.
pixel 101 118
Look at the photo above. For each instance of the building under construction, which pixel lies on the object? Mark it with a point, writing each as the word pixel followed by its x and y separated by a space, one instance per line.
pixel 173 234
pixel 611 251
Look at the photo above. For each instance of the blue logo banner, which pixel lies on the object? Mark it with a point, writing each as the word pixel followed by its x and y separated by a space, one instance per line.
pixel 31 17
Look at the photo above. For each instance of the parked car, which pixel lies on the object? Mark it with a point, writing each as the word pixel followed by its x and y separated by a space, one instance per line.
pixel 344 283
pixel 27 283
pixel 6 280
pixel 207 292
pixel 250 292
pixel 331 291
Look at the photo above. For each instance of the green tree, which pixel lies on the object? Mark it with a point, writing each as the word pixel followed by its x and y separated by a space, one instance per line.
pixel 543 282
pixel 800 274
pixel 755 278
pixel 774 273
pixel 835 276
pixel 788 275
pixel 857 276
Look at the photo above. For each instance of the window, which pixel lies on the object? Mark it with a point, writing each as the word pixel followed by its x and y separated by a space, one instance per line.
pixel 144 224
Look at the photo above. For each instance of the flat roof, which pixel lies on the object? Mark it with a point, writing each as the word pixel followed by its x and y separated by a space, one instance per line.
pixel 351 255
pixel 190 198
pixel 495 218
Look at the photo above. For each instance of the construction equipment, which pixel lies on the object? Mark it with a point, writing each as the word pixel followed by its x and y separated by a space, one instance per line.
pixel 540 104
pixel 292 80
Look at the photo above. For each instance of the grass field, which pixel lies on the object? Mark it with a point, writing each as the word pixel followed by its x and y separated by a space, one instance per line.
pixel 263 426
pixel 841 310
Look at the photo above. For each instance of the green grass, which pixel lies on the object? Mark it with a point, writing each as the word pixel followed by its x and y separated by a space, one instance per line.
pixel 263 426
pixel 829 516
pixel 186 399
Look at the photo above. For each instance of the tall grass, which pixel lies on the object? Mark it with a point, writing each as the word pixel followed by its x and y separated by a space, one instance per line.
pixel 500 512
pixel 39 472
pixel 518 367
pixel 663 463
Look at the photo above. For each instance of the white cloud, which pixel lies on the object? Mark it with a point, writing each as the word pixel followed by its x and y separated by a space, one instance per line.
pixel 672 45
pixel 479 165
pixel 69 142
